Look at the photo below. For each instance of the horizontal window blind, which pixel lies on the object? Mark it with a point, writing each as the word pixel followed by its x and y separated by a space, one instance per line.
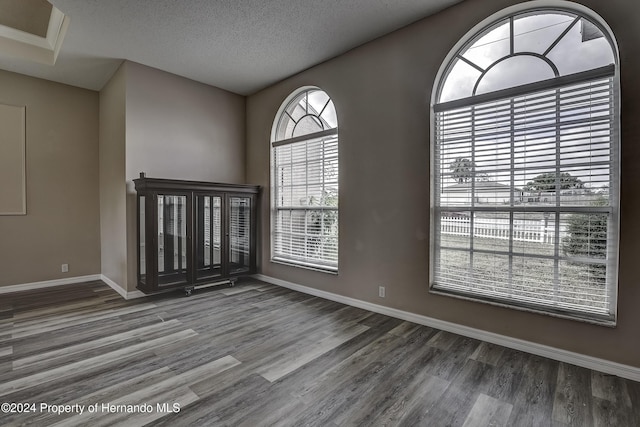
pixel 305 223
pixel 239 229
pixel 525 202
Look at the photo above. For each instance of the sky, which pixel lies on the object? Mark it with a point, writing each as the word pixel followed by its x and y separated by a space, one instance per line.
pixel 532 34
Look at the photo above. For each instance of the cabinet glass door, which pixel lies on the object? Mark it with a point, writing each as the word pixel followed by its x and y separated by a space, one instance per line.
pixel 239 234
pixel 208 237
pixel 172 239
pixel 142 254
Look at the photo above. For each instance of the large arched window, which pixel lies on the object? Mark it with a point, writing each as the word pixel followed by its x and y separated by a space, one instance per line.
pixel 525 162
pixel 304 176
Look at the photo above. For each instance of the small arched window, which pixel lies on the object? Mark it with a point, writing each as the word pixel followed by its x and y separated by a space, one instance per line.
pixel 526 165
pixel 304 176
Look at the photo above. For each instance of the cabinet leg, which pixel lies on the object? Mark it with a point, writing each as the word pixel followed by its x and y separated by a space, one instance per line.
pixel 232 283
pixel 188 291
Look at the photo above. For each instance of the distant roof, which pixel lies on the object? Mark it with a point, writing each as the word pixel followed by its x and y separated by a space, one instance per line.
pixel 480 186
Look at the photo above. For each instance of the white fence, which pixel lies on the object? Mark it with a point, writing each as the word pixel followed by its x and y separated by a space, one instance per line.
pixel 499 228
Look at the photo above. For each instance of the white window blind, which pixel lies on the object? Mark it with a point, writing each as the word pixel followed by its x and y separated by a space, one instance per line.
pixel 525 200
pixel 305 183
pixel 240 230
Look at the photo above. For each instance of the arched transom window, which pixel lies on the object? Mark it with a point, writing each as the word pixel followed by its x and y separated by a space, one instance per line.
pixel 525 166
pixel 305 181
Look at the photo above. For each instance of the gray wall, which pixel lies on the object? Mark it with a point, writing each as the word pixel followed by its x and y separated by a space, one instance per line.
pixel 62 224
pixel 178 128
pixel 113 220
pixel 382 92
pixel 83 150
pixel 181 129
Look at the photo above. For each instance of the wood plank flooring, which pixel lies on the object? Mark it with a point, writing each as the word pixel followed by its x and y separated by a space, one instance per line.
pixel 260 355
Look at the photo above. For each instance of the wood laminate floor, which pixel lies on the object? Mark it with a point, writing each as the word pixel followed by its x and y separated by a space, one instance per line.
pixel 260 355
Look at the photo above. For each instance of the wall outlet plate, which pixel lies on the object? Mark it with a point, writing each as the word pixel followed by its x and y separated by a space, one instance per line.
pixel 381 292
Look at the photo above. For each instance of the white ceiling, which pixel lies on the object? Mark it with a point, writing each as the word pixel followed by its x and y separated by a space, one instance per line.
pixel 238 45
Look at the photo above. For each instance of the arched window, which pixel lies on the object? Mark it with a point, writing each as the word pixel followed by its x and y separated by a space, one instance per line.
pixel 304 176
pixel 526 165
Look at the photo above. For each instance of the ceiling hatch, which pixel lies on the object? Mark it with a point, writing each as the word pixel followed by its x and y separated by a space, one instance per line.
pixel 31 29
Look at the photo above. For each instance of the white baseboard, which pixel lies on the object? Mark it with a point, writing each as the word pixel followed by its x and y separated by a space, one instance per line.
pixel 48 283
pixel 589 362
pixel 71 281
pixel 120 290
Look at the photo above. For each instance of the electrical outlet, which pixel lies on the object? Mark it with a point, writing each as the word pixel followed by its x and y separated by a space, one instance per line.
pixel 381 292
pixel 65 268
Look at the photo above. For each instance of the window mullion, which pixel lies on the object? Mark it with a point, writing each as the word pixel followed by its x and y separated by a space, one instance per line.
pixel 511 37
pixel 307 249
pixel 437 198
pixel 613 216
pixel 561 36
pixel 512 184
pixel 472 214
pixel 556 243
pixel 322 199
pixel 290 193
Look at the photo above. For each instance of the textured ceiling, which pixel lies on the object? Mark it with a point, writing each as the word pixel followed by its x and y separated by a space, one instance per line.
pixel 238 45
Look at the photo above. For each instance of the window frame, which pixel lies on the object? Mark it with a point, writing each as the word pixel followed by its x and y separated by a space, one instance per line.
pixel 469 38
pixel 302 139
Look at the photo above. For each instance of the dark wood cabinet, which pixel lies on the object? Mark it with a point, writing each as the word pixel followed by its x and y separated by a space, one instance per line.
pixel 194 234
